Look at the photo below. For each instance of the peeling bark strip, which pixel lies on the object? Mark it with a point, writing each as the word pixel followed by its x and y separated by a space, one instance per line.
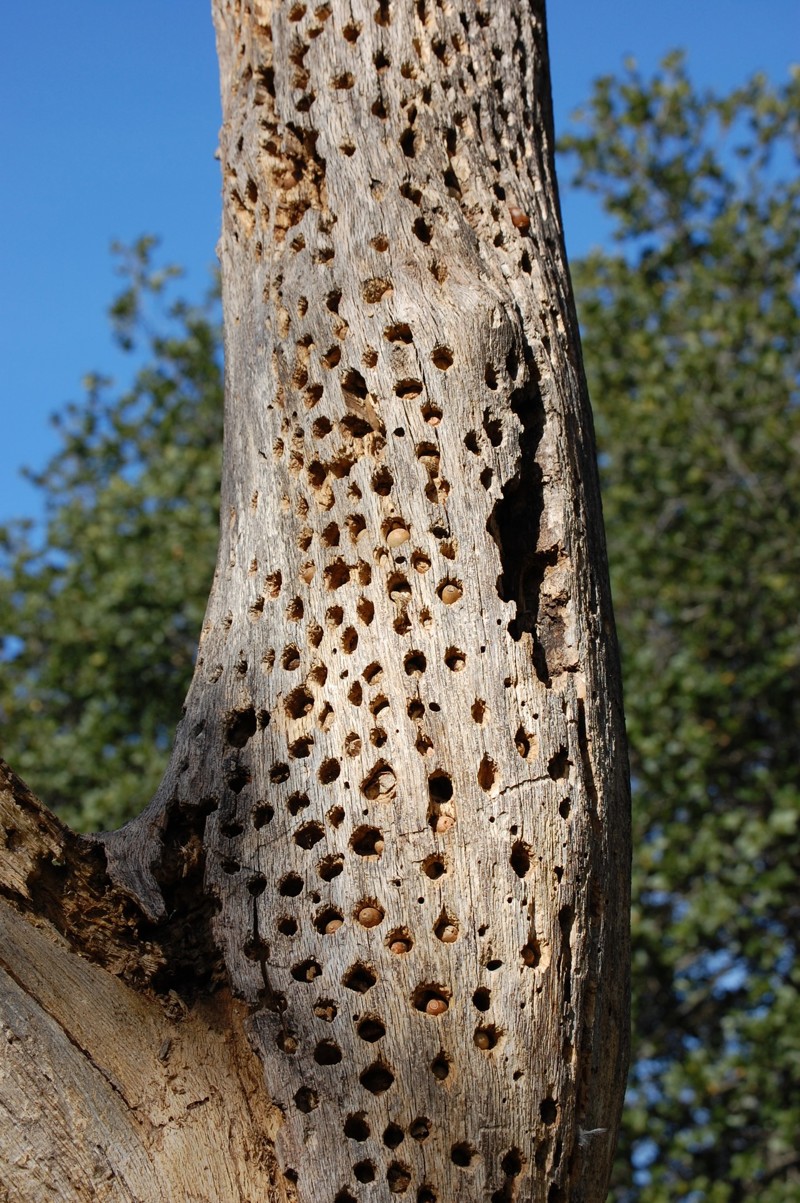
pixel 405 731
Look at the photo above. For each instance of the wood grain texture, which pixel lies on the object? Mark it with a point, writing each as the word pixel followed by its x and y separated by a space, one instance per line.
pixel 402 758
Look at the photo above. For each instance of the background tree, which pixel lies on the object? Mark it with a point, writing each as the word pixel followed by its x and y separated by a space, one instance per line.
pixel 689 334
pixel 396 808
pixel 102 615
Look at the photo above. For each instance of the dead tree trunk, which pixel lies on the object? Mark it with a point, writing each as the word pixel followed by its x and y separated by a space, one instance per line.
pixel 397 805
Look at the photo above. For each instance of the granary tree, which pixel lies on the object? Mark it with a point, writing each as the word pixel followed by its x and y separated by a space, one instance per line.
pixel 370 936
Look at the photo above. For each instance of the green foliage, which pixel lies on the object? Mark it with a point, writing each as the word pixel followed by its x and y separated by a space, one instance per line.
pixel 690 340
pixel 105 611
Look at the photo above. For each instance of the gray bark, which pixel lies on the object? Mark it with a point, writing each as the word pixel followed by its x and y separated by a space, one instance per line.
pixel 402 769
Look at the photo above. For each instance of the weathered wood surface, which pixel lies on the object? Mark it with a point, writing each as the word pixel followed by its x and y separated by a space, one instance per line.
pixel 108 1092
pixel 401 772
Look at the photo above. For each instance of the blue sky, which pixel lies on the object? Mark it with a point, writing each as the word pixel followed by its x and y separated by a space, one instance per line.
pixel 109 113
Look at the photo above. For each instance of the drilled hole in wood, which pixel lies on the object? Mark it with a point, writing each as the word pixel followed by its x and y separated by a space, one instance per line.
pixel 420 1129
pixel 356 525
pixel 446 928
pixel 463 1155
pixel 531 953
pixel 344 1196
pixel 548 1110
pixel 375 289
pixel 382 482
pixel 368 912
pixel 355 427
pixel 524 743
pixel 423 230
pixel 377 1078
pixel 330 866
pixel 455 659
pixel 300 749
pixel 325 1009
pixel 398 587
pixel 511 1163
pixel 493 428
pixel 450 591
pixel 297 802
pixel 415 663
pixel 431 999
pixel 481 999
pixel 426 1194
pixel 298 703
pixel 356 1127
pixel 364 1171
pixel 335 816
pixel 354 387
pixel 332 356
pixel 327 1052
pixel 520 859
pixel 442 358
pixel 434 867
pixel 287 925
pixel 395 532
pixel 559 765
pixel 407 142
pixel 421 562
pixel 263 813
pixel 313 393
pixel 352 744
pixel 365 611
pixel 290 886
pixel 240 726
pixel 399 333
pixel 369 357
pixel 408 389
pixel 440 1066
pixel 431 414
pixel 564 808
pixel 306 971
pixel 488 776
pixel 415 709
pixel 428 456
pixel 398 1177
pixel 290 658
pixel 287 1043
pixel 360 978
pixel 306 1099
pixel 367 841
pixel 336 574
pixel 355 694
pixel 370 1028
pixel 440 786
pixel 308 835
pixel 399 941
pixel 278 774
pixel 393 1136
pixel 329 771
pixel 328 921
pixel 330 535
pixel 380 784
pixel 379 243
pixel 349 640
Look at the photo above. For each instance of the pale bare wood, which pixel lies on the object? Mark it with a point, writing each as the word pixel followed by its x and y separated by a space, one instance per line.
pixel 401 772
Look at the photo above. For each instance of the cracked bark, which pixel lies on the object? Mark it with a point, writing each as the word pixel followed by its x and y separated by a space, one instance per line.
pixel 391 848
